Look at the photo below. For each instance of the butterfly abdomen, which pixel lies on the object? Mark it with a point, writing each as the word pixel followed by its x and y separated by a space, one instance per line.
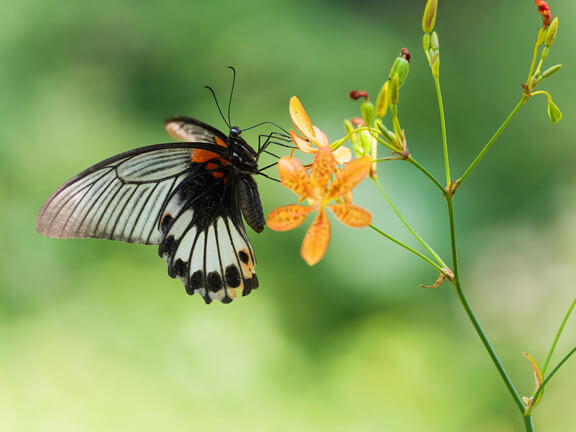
pixel 251 205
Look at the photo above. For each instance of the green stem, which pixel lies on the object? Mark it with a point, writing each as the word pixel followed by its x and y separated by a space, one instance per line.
pixel 443 124
pixel 472 317
pixel 551 374
pixel 405 246
pixel 528 423
pixel 558 333
pixel 408 227
pixel 493 139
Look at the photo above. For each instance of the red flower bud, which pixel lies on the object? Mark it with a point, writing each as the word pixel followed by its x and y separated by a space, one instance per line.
pixel 544 10
pixel 405 54
pixel 357 94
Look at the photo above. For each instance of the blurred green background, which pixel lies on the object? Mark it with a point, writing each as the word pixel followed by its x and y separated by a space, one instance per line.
pixel 95 336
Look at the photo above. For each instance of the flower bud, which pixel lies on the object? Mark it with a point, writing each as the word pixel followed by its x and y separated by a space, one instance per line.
pixel 389 136
pixel 401 67
pixel 545 52
pixel 349 130
pixel 434 42
pixel 429 18
pixel 365 145
pixel 357 94
pixel 394 90
pixel 554 112
pixel 367 110
pixel 435 64
pixel 382 101
pixel 551 70
pixel 426 42
pixel 551 33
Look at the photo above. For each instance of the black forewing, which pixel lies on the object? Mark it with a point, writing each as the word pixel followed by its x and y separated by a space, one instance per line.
pixel 121 198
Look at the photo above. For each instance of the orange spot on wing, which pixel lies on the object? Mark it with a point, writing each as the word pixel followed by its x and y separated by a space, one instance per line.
pixel 211 165
pixel 201 156
pixel 219 141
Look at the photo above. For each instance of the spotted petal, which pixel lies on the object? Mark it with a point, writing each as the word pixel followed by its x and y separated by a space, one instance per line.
pixel 294 176
pixel 352 174
pixel 323 168
pixel 317 239
pixel 352 215
pixel 288 217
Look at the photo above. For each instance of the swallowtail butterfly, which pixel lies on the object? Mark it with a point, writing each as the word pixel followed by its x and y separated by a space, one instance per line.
pixel 188 198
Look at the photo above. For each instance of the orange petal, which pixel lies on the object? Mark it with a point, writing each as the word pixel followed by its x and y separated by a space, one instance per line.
pixel 347 179
pixel 301 143
pixel 323 168
pixel 287 217
pixel 348 197
pixel 352 215
pixel 343 155
pixel 300 118
pixel 321 138
pixel 294 176
pixel 316 240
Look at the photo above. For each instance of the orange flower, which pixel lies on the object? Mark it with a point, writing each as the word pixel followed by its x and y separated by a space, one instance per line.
pixel 314 138
pixel 320 190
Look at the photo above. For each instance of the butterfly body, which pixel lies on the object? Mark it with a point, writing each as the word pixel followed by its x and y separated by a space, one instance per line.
pixel 188 198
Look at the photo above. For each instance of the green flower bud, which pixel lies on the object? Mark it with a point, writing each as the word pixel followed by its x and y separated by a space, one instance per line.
pixel 400 67
pixel 394 90
pixel 554 112
pixel 435 64
pixel 545 52
pixel 349 130
pixel 389 136
pixel 426 42
pixel 434 42
pixel 429 18
pixel 551 33
pixel 551 70
pixel 382 101
pixel 367 110
pixel 366 144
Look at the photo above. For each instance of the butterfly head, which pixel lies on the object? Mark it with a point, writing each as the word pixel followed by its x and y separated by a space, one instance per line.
pixel 235 132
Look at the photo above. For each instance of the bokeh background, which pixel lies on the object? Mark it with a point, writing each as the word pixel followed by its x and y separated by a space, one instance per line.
pixel 94 335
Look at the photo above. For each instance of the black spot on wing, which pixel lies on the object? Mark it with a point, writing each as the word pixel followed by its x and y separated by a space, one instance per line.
pixel 244 257
pixel 180 268
pixel 196 282
pixel 232 276
pixel 214 281
pixel 168 246
pixel 165 223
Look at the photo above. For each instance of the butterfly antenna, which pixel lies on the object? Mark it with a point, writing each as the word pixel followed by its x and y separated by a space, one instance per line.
pixel 218 105
pixel 231 92
pixel 268 122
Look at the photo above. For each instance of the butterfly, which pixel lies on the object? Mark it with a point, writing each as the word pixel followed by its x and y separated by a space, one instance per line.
pixel 189 198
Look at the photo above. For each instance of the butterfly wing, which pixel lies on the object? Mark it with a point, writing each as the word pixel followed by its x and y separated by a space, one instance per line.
pixel 204 241
pixel 176 195
pixel 192 130
pixel 121 197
